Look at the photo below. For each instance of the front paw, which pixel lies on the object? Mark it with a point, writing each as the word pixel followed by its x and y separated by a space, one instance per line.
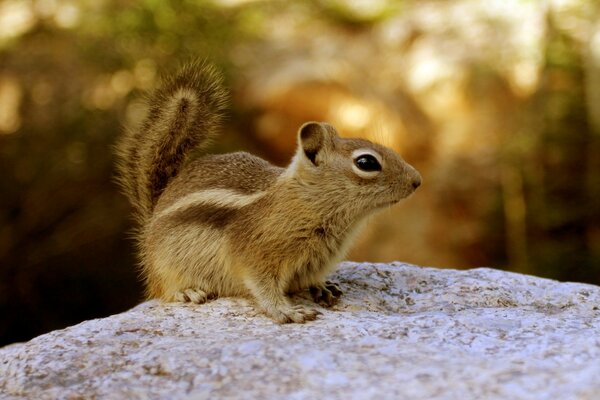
pixel 192 295
pixel 327 293
pixel 298 314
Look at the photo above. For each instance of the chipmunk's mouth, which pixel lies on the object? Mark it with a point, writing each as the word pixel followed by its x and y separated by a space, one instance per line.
pixel 395 199
pixel 388 203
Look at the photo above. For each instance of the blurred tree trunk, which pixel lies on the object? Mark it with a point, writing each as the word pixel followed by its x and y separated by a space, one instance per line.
pixel 562 209
pixel 515 213
pixel 592 87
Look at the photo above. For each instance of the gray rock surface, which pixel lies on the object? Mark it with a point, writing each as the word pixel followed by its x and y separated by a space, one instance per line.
pixel 400 332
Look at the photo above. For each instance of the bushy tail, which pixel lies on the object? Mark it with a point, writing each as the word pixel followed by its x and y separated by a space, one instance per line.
pixel 184 114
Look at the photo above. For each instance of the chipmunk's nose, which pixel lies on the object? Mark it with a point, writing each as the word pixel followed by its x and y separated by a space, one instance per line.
pixel 415 178
pixel 416 182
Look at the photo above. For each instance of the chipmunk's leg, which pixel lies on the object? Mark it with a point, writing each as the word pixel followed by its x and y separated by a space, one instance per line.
pixel 326 293
pixel 194 295
pixel 269 292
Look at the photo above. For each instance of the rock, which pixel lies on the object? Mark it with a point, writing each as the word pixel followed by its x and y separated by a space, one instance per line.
pixel 399 331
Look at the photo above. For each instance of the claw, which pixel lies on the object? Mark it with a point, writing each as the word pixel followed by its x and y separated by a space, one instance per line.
pixel 334 288
pixel 298 314
pixel 326 294
pixel 193 295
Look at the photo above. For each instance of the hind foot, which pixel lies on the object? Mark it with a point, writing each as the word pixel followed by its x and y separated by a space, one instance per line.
pixel 326 293
pixel 296 314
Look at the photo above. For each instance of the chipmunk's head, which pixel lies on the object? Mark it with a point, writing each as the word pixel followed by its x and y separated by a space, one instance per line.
pixel 353 170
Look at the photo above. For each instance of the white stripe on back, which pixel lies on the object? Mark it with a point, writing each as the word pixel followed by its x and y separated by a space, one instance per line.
pixel 225 198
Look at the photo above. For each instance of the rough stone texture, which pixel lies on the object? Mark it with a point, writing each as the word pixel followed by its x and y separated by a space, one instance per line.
pixel 400 331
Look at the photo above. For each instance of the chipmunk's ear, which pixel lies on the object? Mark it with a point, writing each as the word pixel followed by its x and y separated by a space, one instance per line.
pixel 315 137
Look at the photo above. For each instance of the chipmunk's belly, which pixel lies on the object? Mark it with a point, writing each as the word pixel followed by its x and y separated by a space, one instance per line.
pixel 195 257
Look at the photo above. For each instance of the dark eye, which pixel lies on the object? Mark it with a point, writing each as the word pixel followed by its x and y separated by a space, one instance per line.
pixel 367 163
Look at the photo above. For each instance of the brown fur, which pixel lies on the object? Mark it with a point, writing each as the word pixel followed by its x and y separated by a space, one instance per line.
pixel 183 115
pixel 234 225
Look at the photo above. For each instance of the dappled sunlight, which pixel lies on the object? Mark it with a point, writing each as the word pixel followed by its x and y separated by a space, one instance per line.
pixel 11 94
pixel 110 88
pixel 16 18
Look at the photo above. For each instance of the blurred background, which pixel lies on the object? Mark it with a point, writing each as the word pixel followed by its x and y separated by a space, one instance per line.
pixel 496 103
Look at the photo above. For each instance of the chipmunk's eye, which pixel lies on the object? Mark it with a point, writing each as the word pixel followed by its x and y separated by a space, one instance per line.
pixel 367 163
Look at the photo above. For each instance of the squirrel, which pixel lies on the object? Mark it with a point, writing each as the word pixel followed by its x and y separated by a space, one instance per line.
pixel 235 225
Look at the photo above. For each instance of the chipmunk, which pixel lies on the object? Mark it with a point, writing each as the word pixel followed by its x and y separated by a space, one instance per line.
pixel 235 225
